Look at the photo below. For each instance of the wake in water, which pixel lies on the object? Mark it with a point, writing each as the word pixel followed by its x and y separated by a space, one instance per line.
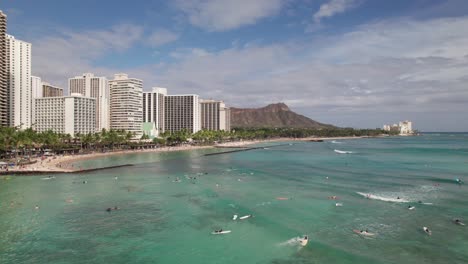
pixel 342 151
pixel 384 198
pixel 336 142
pixel 291 242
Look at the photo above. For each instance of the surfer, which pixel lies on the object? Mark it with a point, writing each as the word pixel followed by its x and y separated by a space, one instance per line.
pixel 429 232
pixel 458 221
pixel 109 209
pixel 218 231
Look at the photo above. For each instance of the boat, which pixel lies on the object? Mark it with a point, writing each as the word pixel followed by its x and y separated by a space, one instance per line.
pixel 220 232
pixel 245 217
pixel 304 241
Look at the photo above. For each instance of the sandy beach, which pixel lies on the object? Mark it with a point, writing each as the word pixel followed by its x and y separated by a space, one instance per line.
pixel 64 163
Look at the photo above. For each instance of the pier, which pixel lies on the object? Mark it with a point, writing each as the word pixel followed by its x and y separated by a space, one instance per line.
pixel 42 172
pixel 239 149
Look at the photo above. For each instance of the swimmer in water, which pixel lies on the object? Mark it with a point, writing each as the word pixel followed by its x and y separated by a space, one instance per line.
pixel 36 207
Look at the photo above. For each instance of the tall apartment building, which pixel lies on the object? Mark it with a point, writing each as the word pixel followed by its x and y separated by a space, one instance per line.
pixel 4 95
pixel 95 87
pixel 19 82
pixel 126 104
pixel 66 114
pixel 153 109
pixel 182 112
pixel 215 115
pixel 41 89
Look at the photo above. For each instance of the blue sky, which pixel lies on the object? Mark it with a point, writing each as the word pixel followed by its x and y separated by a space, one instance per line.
pixel 358 63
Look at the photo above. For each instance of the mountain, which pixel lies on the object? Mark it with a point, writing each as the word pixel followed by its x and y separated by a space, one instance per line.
pixel 273 115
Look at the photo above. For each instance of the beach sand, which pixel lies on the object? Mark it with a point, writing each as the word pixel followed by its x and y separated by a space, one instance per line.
pixel 64 163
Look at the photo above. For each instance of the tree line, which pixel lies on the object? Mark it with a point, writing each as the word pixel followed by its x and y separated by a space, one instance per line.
pixel 15 142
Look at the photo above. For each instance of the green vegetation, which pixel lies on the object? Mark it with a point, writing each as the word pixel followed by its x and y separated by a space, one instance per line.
pixel 15 142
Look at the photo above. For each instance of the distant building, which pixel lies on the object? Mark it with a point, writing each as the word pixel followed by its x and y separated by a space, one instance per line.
pixel 403 128
pixel 215 115
pixel 49 90
pixel 126 104
pixel 19 82
pixel 153 109
pixel 406 127
pixel 4 94
pixel 95 87
pixel 182 112
pixel 65 114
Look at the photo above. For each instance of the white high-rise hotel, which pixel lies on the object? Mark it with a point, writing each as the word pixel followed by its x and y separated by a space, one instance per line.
pixel 18 59
pixel 126 104
pixel 66 114
pixel 95 87
pixel 153 108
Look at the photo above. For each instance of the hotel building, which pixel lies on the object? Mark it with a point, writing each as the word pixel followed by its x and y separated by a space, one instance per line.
pixel 19 82
pixel 215 115
pixel 40 89
pixel 153 110
pixel 182 112
pixel 95 87
pixel 126 104
pixel 4 94
pixel 66 114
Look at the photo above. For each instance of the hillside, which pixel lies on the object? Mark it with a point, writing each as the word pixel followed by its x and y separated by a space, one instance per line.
pixel 273 115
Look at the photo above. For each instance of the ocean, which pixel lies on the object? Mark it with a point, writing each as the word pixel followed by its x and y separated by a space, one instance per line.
pixel 170 203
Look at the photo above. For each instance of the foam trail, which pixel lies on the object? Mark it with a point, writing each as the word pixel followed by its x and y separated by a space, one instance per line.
pixel 383 198
pixel 336 142
pixel 291 242
pixel 342 151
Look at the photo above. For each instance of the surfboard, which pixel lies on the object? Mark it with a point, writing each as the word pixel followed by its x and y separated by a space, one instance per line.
pixel 245 217
pixel 221 233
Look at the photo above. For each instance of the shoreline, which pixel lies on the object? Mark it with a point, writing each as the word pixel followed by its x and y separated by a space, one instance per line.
pixel 64 163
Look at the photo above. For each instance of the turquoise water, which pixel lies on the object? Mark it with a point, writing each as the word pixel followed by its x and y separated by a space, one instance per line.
pixel 162 221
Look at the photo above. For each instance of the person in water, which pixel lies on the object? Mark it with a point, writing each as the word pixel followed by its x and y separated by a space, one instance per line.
pixel 109 209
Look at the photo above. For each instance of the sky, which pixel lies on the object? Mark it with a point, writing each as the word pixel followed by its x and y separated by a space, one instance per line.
pixel 351 63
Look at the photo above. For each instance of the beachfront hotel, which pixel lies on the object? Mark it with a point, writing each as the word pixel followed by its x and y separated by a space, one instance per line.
pixel 95 87
pixel 65 114
pixel 153 111
pixel 3 72
pixel 19 82
pixel 215 115
pixel 404 128
pixel 40 89
pixel 182 112
pixel 126 104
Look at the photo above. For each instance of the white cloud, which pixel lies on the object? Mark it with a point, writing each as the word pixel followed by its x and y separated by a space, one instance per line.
pixel 222 15
pixel 385 71
pixel 161 37
pixel 58 57
pixel 444 38
pixel 334 7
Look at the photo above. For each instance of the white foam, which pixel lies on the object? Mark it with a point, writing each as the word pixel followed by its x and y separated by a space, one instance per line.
pixel 342 151
pixel 336 142
pixel 383 198
pixel 291 242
